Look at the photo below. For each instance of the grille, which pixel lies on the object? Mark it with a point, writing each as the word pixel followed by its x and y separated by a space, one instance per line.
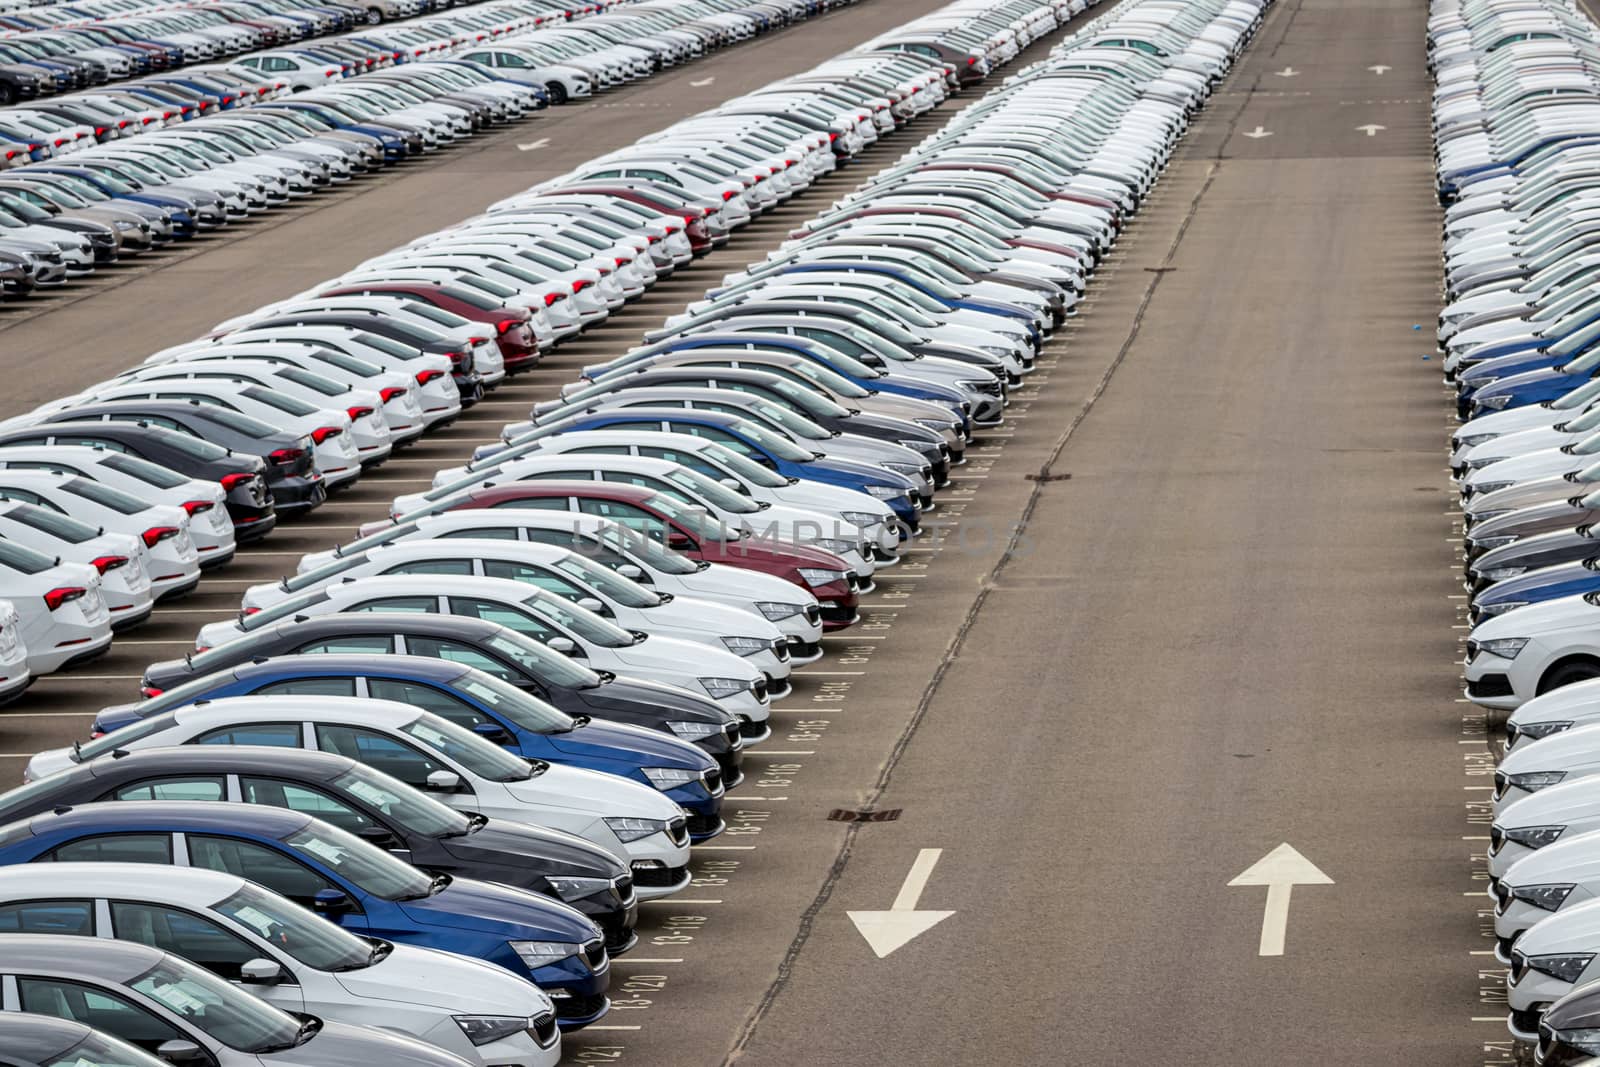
pixel 813 613
pixel 712 780
pixel 678 830
pixel 580 1007
pixel 700 824
pixel 542 1028
pixel 1490 685
pixel 657 877
pixel 759 688
pixel 594 954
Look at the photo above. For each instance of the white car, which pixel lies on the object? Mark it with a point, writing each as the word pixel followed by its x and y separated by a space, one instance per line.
pixel 205 502
pixel 61 611
pixel 1558 813
pixel 14 673
pixel 633 822
pixel 171 559
pixel 1560 709
pixel 1527 651
pixel 794 611
pixel 119 557
pixel 1550 960
pixel 1562 757
pixel 737 686
pixel 1541 884
pixel 297 960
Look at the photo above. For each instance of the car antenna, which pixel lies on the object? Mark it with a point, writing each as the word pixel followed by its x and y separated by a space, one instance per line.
pixel 77 752
pixel 118 753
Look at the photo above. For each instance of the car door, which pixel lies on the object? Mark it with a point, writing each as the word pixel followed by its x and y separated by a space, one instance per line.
pixel 202 941
pixel 172 787
pixel 273 868
pixel 108 1012
pixel 309 800
pixel 349 644
pixel 381 751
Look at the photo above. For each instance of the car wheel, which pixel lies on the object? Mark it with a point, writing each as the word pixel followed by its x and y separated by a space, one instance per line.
pixel 1578 670
pixel 558 92
pixel 374 16
pixel 8 96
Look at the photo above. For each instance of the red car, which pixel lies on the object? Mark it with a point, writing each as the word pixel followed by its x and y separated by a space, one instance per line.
pixel 692 533
pixel 700 216
pixel 513 333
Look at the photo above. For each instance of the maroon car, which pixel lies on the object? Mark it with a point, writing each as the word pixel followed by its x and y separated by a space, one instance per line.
pixel 682 529
pixel 513 333
pixel 694 211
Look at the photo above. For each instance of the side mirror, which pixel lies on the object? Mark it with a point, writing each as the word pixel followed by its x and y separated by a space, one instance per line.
pixel 631 570
pixel 564 645
pixel 330 900
pixel 733 483
pixel 680 542
pixel 378 835
pixel 260 972
pixel 591 603
pixel 444 781
pixel 492 731
pixel 181 1052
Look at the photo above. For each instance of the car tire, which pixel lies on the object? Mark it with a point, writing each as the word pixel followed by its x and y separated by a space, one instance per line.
pixel 374 17
pixel 558 93
pixel 8 96
pixel 1568 672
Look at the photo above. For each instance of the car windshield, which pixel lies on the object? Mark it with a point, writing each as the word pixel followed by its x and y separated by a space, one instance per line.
pixel 581 621
pixel 809 399
pixel 654 556
pixel 62 527
pixel 545 664
pixel 308 938
pixel 691 517
pixel 613 586
pixel 526 711
pixel 483 758
pixel 209 1004
pixel 796 424
pixel 774 443
pixel 719 495
pixel 366 866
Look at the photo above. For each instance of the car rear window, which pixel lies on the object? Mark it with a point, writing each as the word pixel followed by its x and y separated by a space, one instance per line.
pixel 62 527
pixel 105 496
pixel 24 560
pixel 151 473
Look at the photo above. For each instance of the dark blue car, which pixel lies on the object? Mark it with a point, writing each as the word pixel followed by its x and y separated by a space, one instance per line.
pixel 343 878
pixel 473 699
pixel 1538 585
pixel 1536 386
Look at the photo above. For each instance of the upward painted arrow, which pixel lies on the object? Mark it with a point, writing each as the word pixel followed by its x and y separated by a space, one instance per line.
pixel 1257 133
pixel 1287 72
pixel 703 82
pixel 886 931
pixel 1280 871
pixel 1379 68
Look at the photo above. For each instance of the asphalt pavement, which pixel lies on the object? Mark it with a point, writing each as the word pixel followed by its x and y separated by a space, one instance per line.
pixel 1191 604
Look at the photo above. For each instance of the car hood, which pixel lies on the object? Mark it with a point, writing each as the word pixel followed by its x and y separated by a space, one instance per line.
pixel 1579 1010
pixel 1558 805
pixel 678 656
pixel 628 694
pixel 516 915
pixel 1568 860
pixel 592 793
pixel 338 1043
pixel 618 741
pixel 1570 749
pixel 513 844
pixel 720 579
pixel 457 984
pixel 1535 619
pixel 685 614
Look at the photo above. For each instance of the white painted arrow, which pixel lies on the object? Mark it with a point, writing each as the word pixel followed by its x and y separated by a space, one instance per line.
pixel 1379 68
pixel 703 82
pixel 531 145
pixel 1258 133
pixel 1287 72
pixel 1372 128
pixel 1280 871
pixel 886 931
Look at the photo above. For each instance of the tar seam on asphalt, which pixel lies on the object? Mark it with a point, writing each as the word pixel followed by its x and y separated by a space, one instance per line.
pixel 970 618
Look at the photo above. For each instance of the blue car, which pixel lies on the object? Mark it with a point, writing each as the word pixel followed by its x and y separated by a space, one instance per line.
pixel 1530 387
pixel 1538 585
pixel 769 449
pixel 473 699
pixel 343 878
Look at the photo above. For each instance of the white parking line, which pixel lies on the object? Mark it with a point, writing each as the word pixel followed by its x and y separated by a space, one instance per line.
pixel 679 900
pixel 592 1029
pixel 702 848
pixel 631 959
pixel 781 752
pixel 74 677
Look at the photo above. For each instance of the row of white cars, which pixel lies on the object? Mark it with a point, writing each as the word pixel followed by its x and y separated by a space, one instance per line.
pixel 609 525
pixel 1515 119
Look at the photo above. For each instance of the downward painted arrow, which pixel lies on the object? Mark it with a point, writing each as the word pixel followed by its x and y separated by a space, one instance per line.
pixel 1372 128
pixel 1258 133
pixel 703 82
pixel 886 931
pixel 1280 871
pixel 531 145
pixel 1287 72
pixel 1379 68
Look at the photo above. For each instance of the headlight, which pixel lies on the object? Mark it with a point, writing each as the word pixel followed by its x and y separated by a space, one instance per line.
pixel 1491 610
pixel 1475 440
pixel 775 611
pixel 1500 574
pixel 1504 647
pixel 1533 781
pixel 1476 464
pixel 934 424
pixel 862 519
pixel 835 545
pixel 538 954
pixel 746 646
pixel 1492 542
pixel 1484 488
pixel 1493 403
pixel 1535 730
pixel 694 731
pixel 570 889
pixel 996 350
pixel 1534 836
pixel 1547 897
pixel 886 492
pixel 719 688
pixel 1586 1041
pixel 665 778
pixel 1567 968
pixel 814 576
pixel 630 830
pixel 910 470
pixel 482 1029
pixel 915 446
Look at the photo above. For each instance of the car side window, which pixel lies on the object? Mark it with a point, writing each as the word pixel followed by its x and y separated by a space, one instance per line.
pixel 456 652
pixel 29 442
pixel 275 734
pixel 432 566
pixel 537 576
pixel 197 940
pixel 492 533
pixel 200 788
pixel 606 450
pixel 378 644
pixel 536 503
pixel 116 848
pixel 522 622
pixel 86 442
pixel 712 433
pixel 634 518
pixel 94 1007
pixel 303 799
pixel 385 753
pixel 74 917
pixel 311 687
pixel 417 605
pixel 23 496
pixel 425 697
pixel 280 873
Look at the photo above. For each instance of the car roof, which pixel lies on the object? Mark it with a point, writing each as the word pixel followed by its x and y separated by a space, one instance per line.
pixel 181 885
pixel 92 957
pixel 463 626
pixel 705 415
pixel 191 814
pixel 39 1038
pixel 221 759
pixel 408 666
pixel 558 487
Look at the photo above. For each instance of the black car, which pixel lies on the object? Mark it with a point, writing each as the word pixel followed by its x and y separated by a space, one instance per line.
pixel 488 646
pixel 248 765
pixel 1567 1032
pixel 243 477
pixel 293 481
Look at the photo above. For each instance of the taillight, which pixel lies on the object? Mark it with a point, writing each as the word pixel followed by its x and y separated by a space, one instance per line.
pixel 109 563
pixel 505 326
pixel 150 692
pixel 580 285
pixel 426 376
pixel 621 262
pixel 322 433
pixel 972 61
pixel 476 341
pixel 195 507
pixel 728 194
pixel 832 136
pixel 551 298
pixel 100 131
pixel 63 594
pixel 334 73
pixel 95 735
pixel 251 611
pixel 230 482
pixel 157 534
pixel 284 456
pixel 358 412
pixel 392 392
